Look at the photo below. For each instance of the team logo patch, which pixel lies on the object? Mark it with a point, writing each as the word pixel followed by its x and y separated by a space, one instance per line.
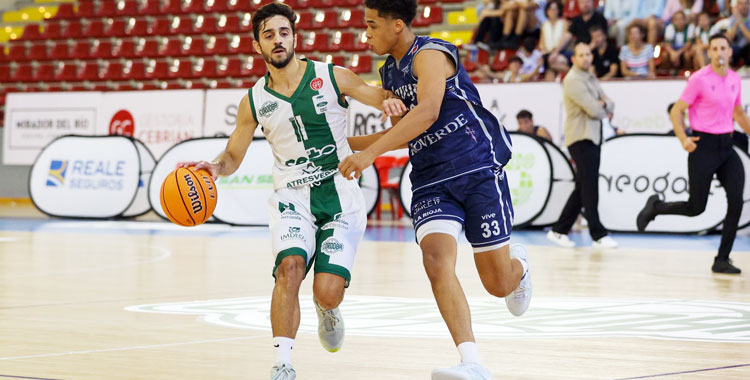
pixel 268 107
pixel 331 246
pixel 316 84
pixel 321 105
pixel 414 49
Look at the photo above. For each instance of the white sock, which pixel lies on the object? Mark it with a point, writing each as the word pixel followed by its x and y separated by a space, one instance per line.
pixel 283 349
pixel 469 353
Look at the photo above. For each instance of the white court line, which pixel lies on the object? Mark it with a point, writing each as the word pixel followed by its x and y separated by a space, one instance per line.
pixel 165 253
pixel 133 347
pixel 7 239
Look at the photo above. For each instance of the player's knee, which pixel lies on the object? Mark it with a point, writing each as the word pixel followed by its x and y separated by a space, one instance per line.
pixel 435 263
pixel 291 268
pixel 329 298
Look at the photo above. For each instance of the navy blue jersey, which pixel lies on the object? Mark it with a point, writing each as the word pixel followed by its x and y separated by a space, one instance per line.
pixel 465 138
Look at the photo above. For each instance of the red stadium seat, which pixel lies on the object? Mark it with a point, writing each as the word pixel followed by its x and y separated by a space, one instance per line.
pixel 352 18
pixel 242 45
pixel 304 20
pixel 81 50
pixel 195 6
pixel 205 25
pixel 246 24
pixel 240 6
pixel 89 72
pixel 172 7
pixel 31 32
pixel 219 46
pixel 501 60
pixel 86 9
pixel 67 72
pixel 150 8
pixel 342 41
pixel 73 30
pixel 338 60
pixel 127 8
pixel 254 66
pixel 124 49
pixel 350 3
pixel 52 31
pixel 135 70
pixel 22 73
pixel 160 27
pixel 4 75
pixel 17 52
pixel 3 58
pixel 94 28
pixel 197 47
pixel 102 49
pixel 428 15
pixel 325 20
pixel 45 73
pixel 149 49
pixel 181 25
pixel 205 68
pixel 183 69
pixel 115 28
pixel 65 11
pixel 229 24
pixel 171 48
pixel 319 4
pixel 157 70
pixel 60 51
pixel 321 42
pixel 138 27
pixel 361 63
pixel 38 52
pixel 219 6
pixel 106 8
pixel 360 44
pixel 113 71
pixel 230 67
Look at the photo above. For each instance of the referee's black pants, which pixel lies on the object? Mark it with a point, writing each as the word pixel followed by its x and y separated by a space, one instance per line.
pixel 714 155
pixel 586 156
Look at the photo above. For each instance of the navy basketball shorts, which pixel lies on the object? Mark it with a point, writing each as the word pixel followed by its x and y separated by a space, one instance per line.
pixel 479 202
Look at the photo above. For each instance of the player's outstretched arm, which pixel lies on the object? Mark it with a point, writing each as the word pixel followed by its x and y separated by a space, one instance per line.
pixel 352 85
pixel 229 160
pixel 431 67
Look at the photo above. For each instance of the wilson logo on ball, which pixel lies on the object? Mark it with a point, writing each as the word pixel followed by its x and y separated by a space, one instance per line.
pixel 188 197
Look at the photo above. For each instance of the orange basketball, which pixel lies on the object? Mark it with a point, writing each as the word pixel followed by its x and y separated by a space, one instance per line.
pixel 188 198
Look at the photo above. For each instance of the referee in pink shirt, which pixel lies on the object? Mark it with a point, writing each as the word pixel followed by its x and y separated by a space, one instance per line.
pixel 713 97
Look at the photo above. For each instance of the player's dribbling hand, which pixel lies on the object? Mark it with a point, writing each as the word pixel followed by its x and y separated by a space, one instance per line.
pixel 392 107
pixel 353 165
pixel 689 143
pixel 211 167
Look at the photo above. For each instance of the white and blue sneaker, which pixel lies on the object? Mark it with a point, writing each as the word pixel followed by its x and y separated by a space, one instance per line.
pixel 330 328
pixel 519 299
pixel 283 371
pixel 463 371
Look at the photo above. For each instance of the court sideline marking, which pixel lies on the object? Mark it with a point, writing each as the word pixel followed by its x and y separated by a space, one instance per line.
pixel 684 372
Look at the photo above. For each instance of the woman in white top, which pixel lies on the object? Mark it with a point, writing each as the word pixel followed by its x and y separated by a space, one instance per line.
pixel 637 57
pixel 553 40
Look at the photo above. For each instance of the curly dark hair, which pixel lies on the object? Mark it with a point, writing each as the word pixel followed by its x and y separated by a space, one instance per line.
pixel 269 10
pixel 405 10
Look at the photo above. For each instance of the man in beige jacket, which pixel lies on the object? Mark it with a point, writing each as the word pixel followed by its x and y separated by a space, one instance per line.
pixel 585 105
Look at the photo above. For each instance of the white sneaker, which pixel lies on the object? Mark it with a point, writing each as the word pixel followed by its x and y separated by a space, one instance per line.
pixel 283 371
pixel 330 328
pixel 518 301
pixel 604 243
pixel 463 371
pixel 560 239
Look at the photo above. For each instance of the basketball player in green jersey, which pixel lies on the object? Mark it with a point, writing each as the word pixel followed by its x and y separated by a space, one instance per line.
pixel 317 217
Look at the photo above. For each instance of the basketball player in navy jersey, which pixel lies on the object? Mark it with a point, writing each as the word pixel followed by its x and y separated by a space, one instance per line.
pixel 458 150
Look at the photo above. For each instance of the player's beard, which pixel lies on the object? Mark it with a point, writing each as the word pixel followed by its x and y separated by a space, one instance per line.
pixel 279 64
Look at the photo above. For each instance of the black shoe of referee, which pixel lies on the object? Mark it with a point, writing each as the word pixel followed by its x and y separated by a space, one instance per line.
pixel 724 266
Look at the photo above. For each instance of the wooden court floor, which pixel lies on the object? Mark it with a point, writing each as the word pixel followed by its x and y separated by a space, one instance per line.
pixel 144 300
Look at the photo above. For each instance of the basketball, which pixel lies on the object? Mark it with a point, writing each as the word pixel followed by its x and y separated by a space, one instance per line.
pixel 188 198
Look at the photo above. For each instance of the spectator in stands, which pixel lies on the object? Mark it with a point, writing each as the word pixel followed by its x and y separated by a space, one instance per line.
pixel 520 18
pixel 700 40
pixel 606 56
pixel 553 41
pixel 637 58
pixel 511 75
pixel 648 17
pixel 677 45
pixel 526 125
pixel 690 8
pixel 533 62
pixel 619 14
pixel 571 10
pixel 581 24
pixel 739 33
pixel 490 26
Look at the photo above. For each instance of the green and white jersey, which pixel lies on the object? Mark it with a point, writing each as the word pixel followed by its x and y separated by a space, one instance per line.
pixel 307 131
